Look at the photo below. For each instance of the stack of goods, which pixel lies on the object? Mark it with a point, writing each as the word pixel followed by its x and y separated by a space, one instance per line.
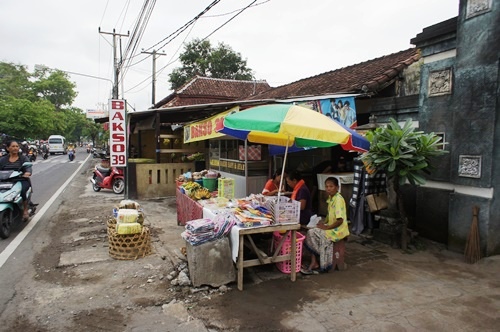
pixel 251 214
pixel 204 230
pixel 127 235
pixel 283 209
pixel 225 188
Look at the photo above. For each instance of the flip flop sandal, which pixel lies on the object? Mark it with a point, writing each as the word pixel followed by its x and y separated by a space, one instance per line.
pixel 308 272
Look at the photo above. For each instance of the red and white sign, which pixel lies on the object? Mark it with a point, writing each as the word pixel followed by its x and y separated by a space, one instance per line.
pixel 117 133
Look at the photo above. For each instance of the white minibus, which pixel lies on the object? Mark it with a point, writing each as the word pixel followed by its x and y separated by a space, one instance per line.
pixel 57 144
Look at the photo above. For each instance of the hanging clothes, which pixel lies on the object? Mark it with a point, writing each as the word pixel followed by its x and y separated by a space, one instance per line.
pixel 364 184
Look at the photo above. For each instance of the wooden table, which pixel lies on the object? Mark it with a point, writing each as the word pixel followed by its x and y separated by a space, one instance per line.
pixel 263 258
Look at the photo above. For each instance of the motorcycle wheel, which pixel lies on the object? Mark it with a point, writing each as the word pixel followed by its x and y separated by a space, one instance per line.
pixel 5 224
pixel 95 186
pixel 118 186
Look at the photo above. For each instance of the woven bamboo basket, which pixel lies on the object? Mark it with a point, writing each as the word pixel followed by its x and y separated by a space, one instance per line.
pixel 111 225
pixel 129 246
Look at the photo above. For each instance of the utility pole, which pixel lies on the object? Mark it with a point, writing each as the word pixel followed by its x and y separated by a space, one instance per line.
pixel 117 63
pixel 154 53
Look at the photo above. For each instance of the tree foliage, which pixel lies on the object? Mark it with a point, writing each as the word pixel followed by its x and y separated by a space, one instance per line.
pixel 15 81
pixel 405 155
pixel 35 106
pixel 200 58
pixel 402 153
pixel 54 85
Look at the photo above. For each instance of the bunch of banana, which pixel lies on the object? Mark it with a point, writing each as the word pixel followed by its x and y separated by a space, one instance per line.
pixel 190 185
pixel 200 193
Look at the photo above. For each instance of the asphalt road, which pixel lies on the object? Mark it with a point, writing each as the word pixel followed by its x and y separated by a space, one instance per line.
pixel 49 181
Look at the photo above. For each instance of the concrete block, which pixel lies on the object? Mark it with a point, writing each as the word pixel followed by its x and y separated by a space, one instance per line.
pixel 210 263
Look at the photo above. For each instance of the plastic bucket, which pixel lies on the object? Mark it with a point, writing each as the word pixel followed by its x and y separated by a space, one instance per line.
pixel 210 184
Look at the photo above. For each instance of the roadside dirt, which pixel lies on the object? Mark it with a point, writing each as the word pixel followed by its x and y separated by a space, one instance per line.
pixel 119 295
pixel 137 295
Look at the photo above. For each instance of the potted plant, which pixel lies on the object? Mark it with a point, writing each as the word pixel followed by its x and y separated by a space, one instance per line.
pixel 406 156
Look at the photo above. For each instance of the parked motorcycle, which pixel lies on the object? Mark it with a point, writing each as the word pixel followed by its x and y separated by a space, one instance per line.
pixel 71 154
pixel 99 154
pixel 11 203
pixel 108 178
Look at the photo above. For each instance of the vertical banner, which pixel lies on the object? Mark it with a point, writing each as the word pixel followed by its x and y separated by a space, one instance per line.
pixel 117 133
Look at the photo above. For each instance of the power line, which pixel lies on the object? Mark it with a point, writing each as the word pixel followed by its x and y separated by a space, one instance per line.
pixel 185 26
pixel 241 11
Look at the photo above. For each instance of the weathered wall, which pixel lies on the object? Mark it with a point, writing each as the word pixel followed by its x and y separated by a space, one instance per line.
pixel 459 97
pixel 475 121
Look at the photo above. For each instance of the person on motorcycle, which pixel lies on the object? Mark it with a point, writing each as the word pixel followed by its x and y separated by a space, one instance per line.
pixel 71 148
pixel 24 148
pixel 13 161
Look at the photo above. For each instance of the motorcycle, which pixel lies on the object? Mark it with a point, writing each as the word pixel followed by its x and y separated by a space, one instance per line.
pixel 32 155
pixel 71 154
pixel 11 202
pixel 99 154
pixel 108 178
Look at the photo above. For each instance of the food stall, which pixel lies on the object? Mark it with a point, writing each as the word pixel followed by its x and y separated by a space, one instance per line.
pixel 255 214
pixel 248 164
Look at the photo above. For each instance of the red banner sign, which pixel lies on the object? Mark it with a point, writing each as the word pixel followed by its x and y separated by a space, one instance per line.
pixel 117 133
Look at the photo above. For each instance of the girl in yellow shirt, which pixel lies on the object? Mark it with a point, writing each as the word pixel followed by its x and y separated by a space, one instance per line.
pixel 319 240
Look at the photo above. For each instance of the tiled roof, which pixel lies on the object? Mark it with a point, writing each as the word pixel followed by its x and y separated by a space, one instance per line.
pixel 364 77
pixel 205 90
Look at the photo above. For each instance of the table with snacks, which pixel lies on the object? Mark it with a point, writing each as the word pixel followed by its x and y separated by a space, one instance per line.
pixel 256 214
pixel 286 248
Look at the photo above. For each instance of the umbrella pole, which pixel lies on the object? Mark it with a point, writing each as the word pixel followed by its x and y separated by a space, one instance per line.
pixel 283 168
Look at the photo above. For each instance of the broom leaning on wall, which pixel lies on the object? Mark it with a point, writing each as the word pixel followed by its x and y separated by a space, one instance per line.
pixel 473 245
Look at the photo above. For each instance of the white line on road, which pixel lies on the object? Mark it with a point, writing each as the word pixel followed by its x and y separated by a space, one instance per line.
pixel 32 223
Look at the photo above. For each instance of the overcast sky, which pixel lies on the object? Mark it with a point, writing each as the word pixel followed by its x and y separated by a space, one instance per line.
pixel 282 40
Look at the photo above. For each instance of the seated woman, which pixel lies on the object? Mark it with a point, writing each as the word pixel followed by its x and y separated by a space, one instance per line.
pixel 272 185
pixel 302 194
pixel 319 240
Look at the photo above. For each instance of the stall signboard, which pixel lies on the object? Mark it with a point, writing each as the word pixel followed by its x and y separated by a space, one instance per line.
pixel 206 129
pixel 117 133
pixel 227 164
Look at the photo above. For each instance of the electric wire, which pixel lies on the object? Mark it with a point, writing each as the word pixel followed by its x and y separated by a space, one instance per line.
pixel 138 33
pixel 185 26
pixel 239 11
pixel 175 34
pixel 172 60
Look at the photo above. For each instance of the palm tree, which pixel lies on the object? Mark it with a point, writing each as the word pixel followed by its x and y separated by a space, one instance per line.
pixel 405 155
